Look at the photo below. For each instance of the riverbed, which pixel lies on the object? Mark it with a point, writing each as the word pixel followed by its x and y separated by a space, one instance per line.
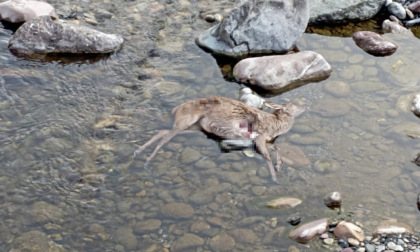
pixel 69 127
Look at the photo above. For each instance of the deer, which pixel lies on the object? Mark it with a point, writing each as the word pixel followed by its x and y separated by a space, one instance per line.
pixel 231 119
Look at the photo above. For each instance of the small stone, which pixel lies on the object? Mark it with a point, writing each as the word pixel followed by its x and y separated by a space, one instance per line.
pixel 209 18
pixel 338 88
pixel 330 107
pixel 333 199
pixel 294 220
pixel 397 10
pixel 353 242
pixel 147 226
pixel 328 241
pixel 187 242
pixel 343 243
pixel 125 236
pixel 392 227
pixel 416 105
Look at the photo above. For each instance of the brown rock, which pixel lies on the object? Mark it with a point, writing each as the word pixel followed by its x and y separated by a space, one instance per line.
pixel 374 43
pixel 147 225
pixel 308 231
pixel 392 227
pixel 188 241
pixel 222 242
pixel 244 235
pixel 389 26
pixel 414 7
pixel 293 155
pixel 177 210
pixel 346 230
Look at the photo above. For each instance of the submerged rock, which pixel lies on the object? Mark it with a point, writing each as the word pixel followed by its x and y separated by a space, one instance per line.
pixel 323 11
pixel 308 231
pixel 45 35
pixel 18 11
pixel 258 26
pixel 279 72
pixel 284 202
pixel 374 43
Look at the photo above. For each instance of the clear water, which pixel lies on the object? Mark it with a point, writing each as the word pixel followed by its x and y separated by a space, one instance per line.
pixel 68 130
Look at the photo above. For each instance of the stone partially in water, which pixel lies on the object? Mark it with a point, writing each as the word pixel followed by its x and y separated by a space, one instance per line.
pixel 393 27
pixel 374 43
pixel 308 231
pixel 346 230
pixel 46 35
pixel 279 72
pixel 18 11
pixel 392 227
pixel 258 26
pixel 333 199
pixel 284 202
pixel 416 105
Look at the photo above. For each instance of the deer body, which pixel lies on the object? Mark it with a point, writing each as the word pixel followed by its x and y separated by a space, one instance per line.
pixel 230 119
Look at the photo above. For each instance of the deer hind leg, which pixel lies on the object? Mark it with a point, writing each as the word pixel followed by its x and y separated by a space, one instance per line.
pixel 156 137
pixel 164 139
pixel 279 161
pixel 261 145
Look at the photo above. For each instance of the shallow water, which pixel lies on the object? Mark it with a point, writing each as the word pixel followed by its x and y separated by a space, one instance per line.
pixel 69 128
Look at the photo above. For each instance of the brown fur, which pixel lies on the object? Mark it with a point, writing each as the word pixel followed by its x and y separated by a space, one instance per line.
pixel 230 119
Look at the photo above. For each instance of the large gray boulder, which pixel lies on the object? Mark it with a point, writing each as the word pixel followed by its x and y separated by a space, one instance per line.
pixel 18 11
pixel 258 27
pixel 45 35
pixel 323 11
pixel 281 72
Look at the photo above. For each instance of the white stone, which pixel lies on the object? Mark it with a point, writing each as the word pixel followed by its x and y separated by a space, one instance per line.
pixel 17 11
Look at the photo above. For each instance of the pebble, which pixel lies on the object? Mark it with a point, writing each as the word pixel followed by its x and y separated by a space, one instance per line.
pixel 328 241
pixel 397 10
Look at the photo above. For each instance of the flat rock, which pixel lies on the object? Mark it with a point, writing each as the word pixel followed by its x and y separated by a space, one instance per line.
pixel 374 43
pixel 18 11
pixel 258 27
pixel 146 226
pixel 293 155
pixel 44 35
pixel 178 210
pixel 284 202
pixel 392 227
pixel 279 72
pixel 346 230
pixel 308 231
pixel 336 11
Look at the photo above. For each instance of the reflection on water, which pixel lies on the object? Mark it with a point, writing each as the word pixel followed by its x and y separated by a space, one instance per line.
pixel 68 133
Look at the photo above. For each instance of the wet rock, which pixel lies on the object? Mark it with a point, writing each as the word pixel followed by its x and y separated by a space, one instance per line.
pixel 392 227
pixel 416 105
pixel 335 11
pixel 45 35
pixel 44 212
pixel 125 236
pixel 294 220
pixel 293 155
pixel 346 230
pixel 414 7
pixel 34 241
pixel 147 226
pixel 244 235
pixel 339 89
pixel 389 26
pixel 188 241
pixel 284 202
pixel 330 107
pixel 308 231
pixel 252 28
pixel 168 87
pixel 177 210
pixel 397 10
pixel 279 72
pixel 374 43
pixel 199 226
pixel 222 242
pixel 333 199
pixel 412 22
pixel 190 155
pixel 247 96
pixel 18 11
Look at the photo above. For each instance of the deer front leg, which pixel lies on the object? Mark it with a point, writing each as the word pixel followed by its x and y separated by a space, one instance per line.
pixel 261 145
pixel 156 137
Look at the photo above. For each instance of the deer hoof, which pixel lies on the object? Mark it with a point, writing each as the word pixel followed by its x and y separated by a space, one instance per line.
pixel 146 166
pixel 275 180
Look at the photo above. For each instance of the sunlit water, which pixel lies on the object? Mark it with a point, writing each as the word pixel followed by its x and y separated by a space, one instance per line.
pixel 68 130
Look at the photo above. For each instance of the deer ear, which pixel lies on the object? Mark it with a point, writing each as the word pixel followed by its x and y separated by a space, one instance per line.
pixel 273 105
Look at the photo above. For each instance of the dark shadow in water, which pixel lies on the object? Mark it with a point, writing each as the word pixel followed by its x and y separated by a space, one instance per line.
pixel 66 58
pixel 10 26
